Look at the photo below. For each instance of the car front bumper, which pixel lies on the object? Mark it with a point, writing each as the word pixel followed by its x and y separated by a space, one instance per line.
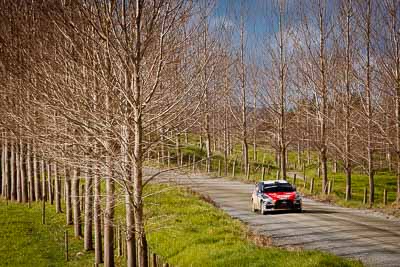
pixel 283 205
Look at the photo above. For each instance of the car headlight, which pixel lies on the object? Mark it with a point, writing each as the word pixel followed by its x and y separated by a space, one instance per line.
pixel 267 199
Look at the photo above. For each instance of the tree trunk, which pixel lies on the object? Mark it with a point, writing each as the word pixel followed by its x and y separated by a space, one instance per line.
pixel 76 203
pixel 109 218
pixel 18 169
pixel 24 184
pixel 68 192
pixel 49 183
pixel 32 194
pixel 36 177
pixel 138 143
pixel 97 220
pixel 3 167
pixel 88 237
pixel 6 170
pixel 369 108
pixel 347 161
pixel 43 178
pixel 245 147
pixel 323 95
pixel 57 188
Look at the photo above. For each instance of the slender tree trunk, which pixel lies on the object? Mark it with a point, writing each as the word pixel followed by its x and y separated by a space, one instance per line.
pixel 43 178
pixel 282 119
pixel 7 171
pixel 129 214
pixel 97 220
pixel 347 161
pixel 57 188
pixel 36 177
pixel 24 184
pixel 138 143
pixel 396 45
pixel 32 194
pixel 76 203
pixel 323 113
pixel 109 218
pixel 245 147
pixel 68 199
pixel 178 148
pixel 162 141
pixel 12 172
pixel 18 169
pixel 49 183
pixel 369 108
pixel 3 166
pixel 88 234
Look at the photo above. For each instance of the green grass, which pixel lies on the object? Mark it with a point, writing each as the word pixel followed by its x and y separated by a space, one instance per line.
pixel 182 228
pixel 25 241
pixel 383 180
pixel 191 232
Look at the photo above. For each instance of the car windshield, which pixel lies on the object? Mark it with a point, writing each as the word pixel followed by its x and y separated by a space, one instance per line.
pixel 278 188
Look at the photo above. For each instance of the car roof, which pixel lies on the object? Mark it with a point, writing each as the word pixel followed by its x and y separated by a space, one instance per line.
pixel 275 182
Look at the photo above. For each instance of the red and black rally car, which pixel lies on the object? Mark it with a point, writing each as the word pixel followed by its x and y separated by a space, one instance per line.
pixel 275 195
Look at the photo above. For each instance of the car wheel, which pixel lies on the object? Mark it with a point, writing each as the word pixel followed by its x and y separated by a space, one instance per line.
pixel 262 208
pixel 300 210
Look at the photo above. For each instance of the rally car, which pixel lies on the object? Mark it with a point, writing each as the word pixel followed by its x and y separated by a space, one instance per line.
pixel 275 195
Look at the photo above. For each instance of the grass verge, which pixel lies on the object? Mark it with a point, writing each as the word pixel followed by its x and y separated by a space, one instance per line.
pixel 182 228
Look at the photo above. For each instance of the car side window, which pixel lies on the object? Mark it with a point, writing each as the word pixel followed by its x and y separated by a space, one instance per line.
pixel 260 187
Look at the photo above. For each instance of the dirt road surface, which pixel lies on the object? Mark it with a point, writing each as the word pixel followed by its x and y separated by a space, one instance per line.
pixel 372 238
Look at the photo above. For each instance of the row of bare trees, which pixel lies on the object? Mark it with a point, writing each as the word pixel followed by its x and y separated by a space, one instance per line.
pixel 87 89
pixel 90 89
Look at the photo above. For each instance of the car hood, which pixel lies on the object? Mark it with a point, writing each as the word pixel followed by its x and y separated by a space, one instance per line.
pixel 281 195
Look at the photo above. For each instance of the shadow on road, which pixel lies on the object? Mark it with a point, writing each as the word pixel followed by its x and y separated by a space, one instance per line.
pixel 319 211
pixel 308 211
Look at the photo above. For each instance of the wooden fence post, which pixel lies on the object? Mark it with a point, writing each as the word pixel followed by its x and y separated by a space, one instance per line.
pixel 194 162
pixel 169 159
pixel 263 174
pixel 294 179
pixel 384 197
pixel 365 196
pixel 66 245
pixel 219 167
pixel 277 175
pixel 233 168
pixel 329 187
pixel 248 172
pixel 154 260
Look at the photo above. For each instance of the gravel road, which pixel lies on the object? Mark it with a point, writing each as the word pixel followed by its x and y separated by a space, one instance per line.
pixel 372 238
